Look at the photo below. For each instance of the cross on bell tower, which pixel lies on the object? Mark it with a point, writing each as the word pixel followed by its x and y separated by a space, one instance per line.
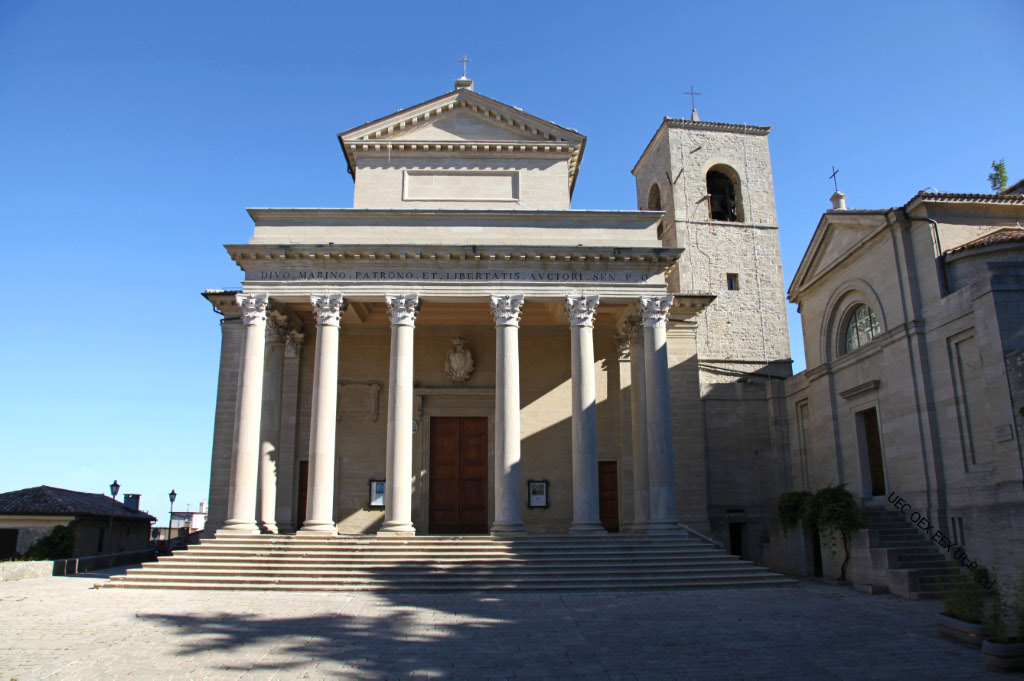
pixel 693 104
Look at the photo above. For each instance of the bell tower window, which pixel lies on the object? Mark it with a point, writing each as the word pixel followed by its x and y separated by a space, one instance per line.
pixel 722 195
pixel 654 197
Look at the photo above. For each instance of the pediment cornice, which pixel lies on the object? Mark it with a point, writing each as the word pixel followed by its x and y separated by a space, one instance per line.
pixel 396 132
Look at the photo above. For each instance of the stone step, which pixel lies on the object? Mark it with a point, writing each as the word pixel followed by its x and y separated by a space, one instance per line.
pixel 405 574
pixel 468 580
pixel 657 585
pixel 448 564
pixel 648 554
pixel 456 561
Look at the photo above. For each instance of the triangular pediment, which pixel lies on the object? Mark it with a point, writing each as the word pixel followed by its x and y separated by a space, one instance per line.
pixel 836 237
pixel 464 117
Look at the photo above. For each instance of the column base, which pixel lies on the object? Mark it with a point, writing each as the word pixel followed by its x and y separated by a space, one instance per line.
pixel 237 527
pixel 313 527
pixel 396 533
pixel 268 528
pixel 587 528
pixel 508 530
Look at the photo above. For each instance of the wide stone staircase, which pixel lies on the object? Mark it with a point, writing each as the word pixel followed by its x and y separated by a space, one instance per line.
pixel 448 563
pixel 914 566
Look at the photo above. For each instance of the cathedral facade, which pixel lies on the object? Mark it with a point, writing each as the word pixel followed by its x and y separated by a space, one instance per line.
pixel 462 352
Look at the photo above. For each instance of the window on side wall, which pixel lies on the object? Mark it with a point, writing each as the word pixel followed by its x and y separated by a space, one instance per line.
pixel 861 328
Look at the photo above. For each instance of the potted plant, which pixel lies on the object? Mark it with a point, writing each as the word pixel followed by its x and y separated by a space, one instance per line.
pixel 833 512
pixel 963 614
pixel 1004 647
pixel 830 512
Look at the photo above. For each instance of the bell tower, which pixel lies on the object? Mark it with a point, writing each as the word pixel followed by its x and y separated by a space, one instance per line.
pixel 714 183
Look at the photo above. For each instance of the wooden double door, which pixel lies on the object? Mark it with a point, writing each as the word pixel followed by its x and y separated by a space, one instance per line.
pixel 458 475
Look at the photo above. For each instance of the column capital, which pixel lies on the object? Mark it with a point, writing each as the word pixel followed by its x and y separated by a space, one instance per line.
pixel 655 309
pixel 403 308
pixel 254 307
pixel 507 309
pixel 328 308
pixel 581 309
pixel 277 326
pixel 293 344
pixel 622 342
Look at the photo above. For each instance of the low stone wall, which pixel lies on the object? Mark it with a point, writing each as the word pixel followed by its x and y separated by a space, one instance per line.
pixel 12 571
pixel 74 566
pixel 29 569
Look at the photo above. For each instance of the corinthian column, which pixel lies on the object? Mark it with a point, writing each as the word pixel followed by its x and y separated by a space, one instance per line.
pixel 320 498
pixel 586 518
pixel 659 416
pixel 507 504
pixel 270 423
pixel 638 414
pixel 398 488
pixel 245 459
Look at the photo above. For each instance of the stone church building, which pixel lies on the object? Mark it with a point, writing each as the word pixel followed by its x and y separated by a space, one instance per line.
pixel 462 352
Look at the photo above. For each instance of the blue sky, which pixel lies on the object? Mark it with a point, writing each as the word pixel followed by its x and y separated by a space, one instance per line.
pixel 134 135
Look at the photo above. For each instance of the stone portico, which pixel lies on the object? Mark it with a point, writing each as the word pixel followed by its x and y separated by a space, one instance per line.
pixel 456 334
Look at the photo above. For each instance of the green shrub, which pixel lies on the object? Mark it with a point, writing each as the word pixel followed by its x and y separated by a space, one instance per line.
pixel 792 507
pixel 964 601
pixel 58 544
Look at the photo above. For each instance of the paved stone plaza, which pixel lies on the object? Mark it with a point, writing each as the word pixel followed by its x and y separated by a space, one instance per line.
pixel 63 628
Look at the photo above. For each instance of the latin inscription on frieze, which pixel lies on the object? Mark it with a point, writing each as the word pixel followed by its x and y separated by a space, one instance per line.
pixel 454 276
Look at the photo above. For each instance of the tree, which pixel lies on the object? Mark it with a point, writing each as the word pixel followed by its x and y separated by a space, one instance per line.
pixel 997 178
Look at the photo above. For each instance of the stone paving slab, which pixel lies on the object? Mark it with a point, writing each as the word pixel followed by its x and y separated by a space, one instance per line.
pixel 63 628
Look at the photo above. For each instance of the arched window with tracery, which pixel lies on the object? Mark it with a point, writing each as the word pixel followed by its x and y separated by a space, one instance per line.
pixel 861 327
pixel 654 197
pixel 723 194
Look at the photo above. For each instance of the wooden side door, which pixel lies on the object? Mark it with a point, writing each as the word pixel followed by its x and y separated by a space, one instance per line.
pixel 608 491
pixel 458 475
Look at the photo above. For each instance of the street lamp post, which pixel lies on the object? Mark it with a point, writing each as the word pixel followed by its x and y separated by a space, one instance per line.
pixel 172 496
pixel 114 487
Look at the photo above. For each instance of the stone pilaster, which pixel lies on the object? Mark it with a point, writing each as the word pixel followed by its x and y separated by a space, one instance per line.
pixel 286 490
pixel 245 459
pixel 638 413
pixel 660 450
pixel 508 518
pixel 586 517
pixel 398 488
pixel 328 310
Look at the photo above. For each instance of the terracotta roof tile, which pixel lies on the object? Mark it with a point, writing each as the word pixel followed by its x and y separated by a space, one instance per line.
pixel 46 500
pixel 1000 236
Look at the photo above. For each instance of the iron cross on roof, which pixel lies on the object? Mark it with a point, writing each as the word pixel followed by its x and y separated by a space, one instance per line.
pixel 832 177
pixel 465 60
pixel 693 102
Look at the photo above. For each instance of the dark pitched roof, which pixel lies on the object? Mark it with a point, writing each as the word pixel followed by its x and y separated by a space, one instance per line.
pixel 1000 236
pixel 46 500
